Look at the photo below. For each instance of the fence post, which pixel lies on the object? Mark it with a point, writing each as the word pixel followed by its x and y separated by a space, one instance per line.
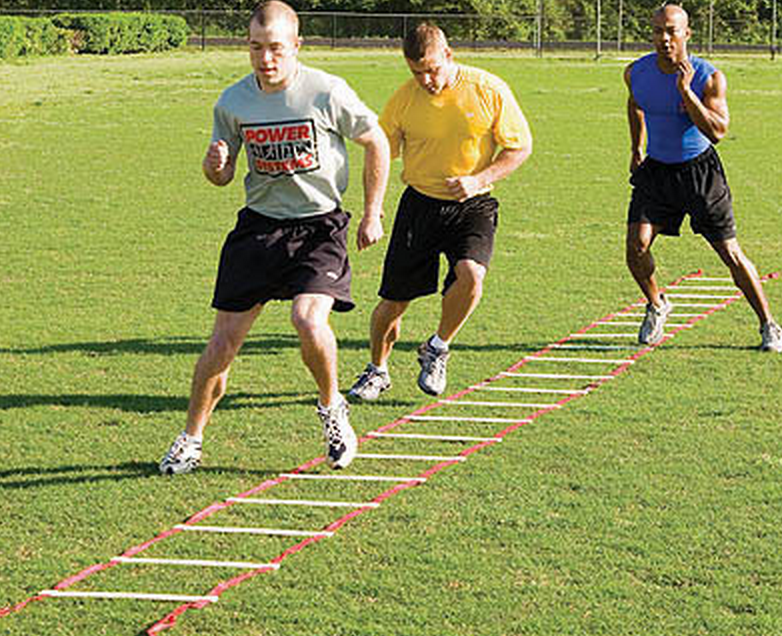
pixel 203 30
pixel 619 20
pixel 710 46
pixel 539 30
pixel 597 29
pixel 774 20
pixel 333 30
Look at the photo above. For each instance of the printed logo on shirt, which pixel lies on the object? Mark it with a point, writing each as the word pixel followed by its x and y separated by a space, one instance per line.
pixel 282 148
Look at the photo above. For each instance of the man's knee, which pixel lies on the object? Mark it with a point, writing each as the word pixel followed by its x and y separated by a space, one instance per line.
pixel 729 251
pixel 470 273
pixel 222 348
pixel 309 317
pixel 638 242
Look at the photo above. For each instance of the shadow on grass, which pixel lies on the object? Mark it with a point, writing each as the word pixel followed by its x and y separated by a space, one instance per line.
pixel 269 344
pixel 36 476
pixel 153 403
pixel 712 347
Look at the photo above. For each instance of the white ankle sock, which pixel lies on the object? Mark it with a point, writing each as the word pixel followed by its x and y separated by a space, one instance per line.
pixel 438 343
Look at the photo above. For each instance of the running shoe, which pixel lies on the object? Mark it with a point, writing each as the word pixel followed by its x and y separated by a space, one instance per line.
pixel 432 378
pixel 341 442
pixel 651 331
pixel 771 333
pixel 184 456
pixel 370 384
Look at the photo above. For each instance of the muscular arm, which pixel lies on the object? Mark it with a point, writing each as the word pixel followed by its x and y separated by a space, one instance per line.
pixel 635 119
pixel 504 163
pixel 709 114
pixel 377 159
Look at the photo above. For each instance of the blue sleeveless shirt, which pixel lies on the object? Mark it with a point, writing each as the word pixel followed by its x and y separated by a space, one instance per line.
pixel 671 136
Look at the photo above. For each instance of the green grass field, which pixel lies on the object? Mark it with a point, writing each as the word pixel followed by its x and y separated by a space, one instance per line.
pixel 652 507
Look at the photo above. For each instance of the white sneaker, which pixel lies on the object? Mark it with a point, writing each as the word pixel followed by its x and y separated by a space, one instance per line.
pixel 370 384
pixel 433 376
pixel 341 442
pixel 771 333
pixel 183 457
pixel 652 327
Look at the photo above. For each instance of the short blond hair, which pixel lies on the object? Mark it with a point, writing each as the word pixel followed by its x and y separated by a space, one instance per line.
pixel 420 39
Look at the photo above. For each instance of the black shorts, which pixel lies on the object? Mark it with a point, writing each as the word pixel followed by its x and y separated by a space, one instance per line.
pixel 424 228
pixel 270 259
pixel 664 192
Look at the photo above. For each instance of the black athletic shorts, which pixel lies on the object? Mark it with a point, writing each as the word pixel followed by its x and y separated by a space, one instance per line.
pixel 424 228
pixel 664 192
pixel 270 259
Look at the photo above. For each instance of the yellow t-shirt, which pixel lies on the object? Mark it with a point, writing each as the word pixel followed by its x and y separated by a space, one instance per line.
pixel 455 133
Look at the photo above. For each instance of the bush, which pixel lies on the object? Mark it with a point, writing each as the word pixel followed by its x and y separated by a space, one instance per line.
pixel 115 33
pixel 10 37
pixel 31 36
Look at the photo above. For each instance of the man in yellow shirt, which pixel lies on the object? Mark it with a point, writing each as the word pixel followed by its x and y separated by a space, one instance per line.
pixel 459 129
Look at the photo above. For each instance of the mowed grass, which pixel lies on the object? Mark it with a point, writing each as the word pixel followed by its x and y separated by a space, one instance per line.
pixel 650 507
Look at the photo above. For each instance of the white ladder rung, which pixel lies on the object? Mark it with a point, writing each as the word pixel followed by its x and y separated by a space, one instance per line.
pixel 197 562
pixel 353 477
pixel 619 323
pixel 264 531
pixel 703 296
pixel 577 336
pixel 671 315
pixel 584 360
pixel 441 418
pixel 710 287
pixel 515 389
pixel 140 596
pixel 713 280
pixel 705 305
pixel 437 438
pixel 595 347
pixel 427 458
pixel 303 502
pixel 555 376
pixel 524 405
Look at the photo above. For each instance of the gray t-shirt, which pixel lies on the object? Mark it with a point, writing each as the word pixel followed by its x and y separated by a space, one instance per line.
pixel 294 140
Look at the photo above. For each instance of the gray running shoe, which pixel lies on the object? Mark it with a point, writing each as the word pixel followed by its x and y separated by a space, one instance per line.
pixel 370 384
pixel 651 331
pixel 341 442
pixel 432 378
pixel 771 333
pixel 184 456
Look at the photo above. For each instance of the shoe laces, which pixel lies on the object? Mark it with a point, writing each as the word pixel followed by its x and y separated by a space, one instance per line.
pixel 370 377
pixel 330 416
pixel 434 359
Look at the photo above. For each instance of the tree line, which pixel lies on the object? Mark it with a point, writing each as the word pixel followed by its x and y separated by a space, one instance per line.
pixel 745 21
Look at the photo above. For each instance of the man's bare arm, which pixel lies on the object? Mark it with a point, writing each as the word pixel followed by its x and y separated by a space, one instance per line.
pixel 377 160
pixel 709 114
pixel 635 119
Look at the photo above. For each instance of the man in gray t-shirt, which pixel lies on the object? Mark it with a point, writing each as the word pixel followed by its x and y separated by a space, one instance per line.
pixel 289 242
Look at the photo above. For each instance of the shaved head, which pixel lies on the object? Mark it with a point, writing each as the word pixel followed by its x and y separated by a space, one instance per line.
pixel 272 11
pixel 671 12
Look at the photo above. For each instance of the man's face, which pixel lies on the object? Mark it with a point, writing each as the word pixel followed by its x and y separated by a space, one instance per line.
pixel 434 70
pixel 670 34
pixel 274 50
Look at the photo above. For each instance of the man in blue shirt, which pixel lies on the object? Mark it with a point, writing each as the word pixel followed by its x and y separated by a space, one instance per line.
pixel 677 103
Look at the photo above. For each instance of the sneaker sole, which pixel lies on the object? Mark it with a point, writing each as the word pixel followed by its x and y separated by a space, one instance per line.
pixel 429 391
pixel 359 398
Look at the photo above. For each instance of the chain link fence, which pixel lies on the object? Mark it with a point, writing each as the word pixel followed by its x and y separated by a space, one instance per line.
pixel 609 28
